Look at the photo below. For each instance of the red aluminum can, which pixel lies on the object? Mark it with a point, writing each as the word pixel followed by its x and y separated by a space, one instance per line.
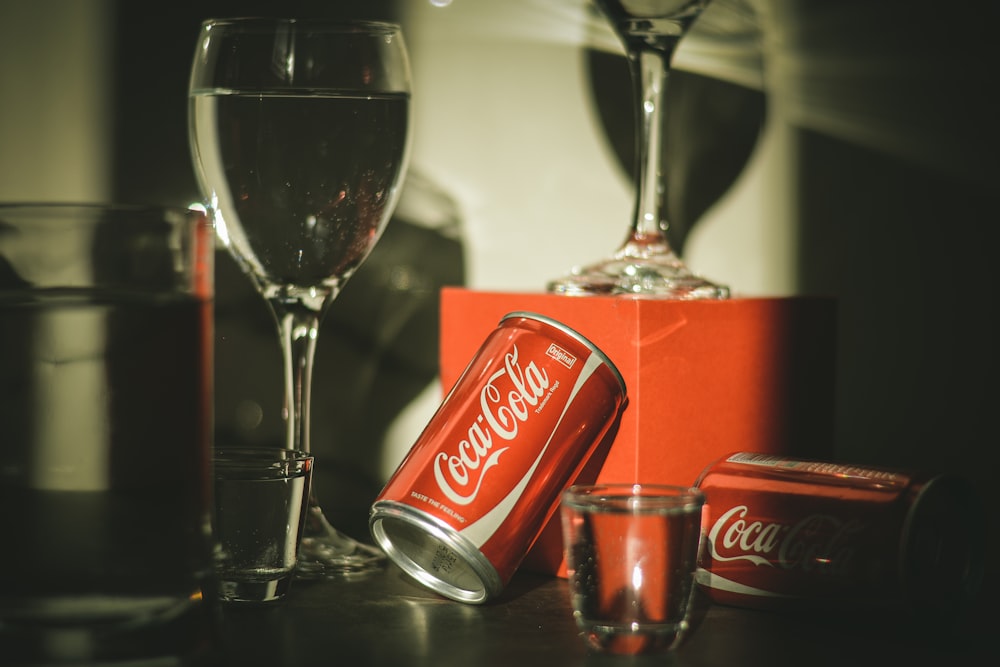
pixel 784 533
pixel 476 488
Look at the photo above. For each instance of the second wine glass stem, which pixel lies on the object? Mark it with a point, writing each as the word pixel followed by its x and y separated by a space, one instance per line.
pixel 650 70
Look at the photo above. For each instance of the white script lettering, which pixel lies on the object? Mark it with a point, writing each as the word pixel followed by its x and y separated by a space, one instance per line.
pixel 818 542
pixel 502 410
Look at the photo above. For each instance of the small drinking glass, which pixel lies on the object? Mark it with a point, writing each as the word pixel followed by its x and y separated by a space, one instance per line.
pixel 261 499
pixel 631 551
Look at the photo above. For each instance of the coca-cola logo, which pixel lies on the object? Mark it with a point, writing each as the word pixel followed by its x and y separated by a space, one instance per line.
pixel 817 542
pixel 505 402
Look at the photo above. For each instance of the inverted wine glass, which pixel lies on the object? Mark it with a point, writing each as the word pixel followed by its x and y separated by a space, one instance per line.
pixel 645 264
pixel 299 135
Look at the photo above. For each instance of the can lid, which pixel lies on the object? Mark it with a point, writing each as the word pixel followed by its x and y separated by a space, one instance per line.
pixel 433 554
pixel 573 333
pixel 943 550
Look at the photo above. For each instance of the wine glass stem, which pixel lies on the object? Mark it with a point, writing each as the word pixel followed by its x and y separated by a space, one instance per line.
pixel 298 328
pixel 650 69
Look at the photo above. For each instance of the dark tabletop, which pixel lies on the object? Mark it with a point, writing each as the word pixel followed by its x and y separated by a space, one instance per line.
pixel 386 619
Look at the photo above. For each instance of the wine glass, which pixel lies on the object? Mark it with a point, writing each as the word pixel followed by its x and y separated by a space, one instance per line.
pixel 299 134
pixel 646 265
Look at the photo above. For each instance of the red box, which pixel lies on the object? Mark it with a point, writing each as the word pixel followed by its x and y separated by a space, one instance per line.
pixel 704 378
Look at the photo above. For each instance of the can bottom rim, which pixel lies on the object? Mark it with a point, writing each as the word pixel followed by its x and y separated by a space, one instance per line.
pixel 943 554
pixel 433 554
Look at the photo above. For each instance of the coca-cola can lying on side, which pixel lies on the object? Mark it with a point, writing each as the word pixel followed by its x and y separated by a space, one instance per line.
pixel 792 534
pixel 476 488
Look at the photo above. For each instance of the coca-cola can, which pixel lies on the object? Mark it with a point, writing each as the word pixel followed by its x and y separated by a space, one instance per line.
pixel 783 533
pixel 476 488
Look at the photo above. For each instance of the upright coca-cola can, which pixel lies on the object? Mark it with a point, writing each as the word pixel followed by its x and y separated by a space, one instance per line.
pixel 474 491
pixel 784 533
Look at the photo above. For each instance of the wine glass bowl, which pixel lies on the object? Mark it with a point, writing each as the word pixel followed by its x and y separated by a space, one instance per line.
pixel 306 122
pixel 645 264
pixel 299 134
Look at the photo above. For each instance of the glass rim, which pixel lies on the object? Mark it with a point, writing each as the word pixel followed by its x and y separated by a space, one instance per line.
pixel 333 24
pixel 633 497
pixel 94 206
pixel 263 463
pixel 256 453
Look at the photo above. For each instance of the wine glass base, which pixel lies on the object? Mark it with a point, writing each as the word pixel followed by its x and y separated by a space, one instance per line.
pixel 319 559
pixel 649 277
pixel 326 553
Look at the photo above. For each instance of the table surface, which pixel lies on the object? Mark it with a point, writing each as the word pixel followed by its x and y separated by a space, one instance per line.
pixel 387 619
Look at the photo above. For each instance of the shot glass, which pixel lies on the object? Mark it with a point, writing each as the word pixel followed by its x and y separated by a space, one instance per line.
pixel 105 432
pixel 631 552
pixel 261 499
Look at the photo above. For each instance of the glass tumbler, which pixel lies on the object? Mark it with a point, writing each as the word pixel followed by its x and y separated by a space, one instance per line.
pixel 105 432
pixel 631 552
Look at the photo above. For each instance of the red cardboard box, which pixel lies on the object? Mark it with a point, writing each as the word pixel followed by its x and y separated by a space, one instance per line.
pixel 704 378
